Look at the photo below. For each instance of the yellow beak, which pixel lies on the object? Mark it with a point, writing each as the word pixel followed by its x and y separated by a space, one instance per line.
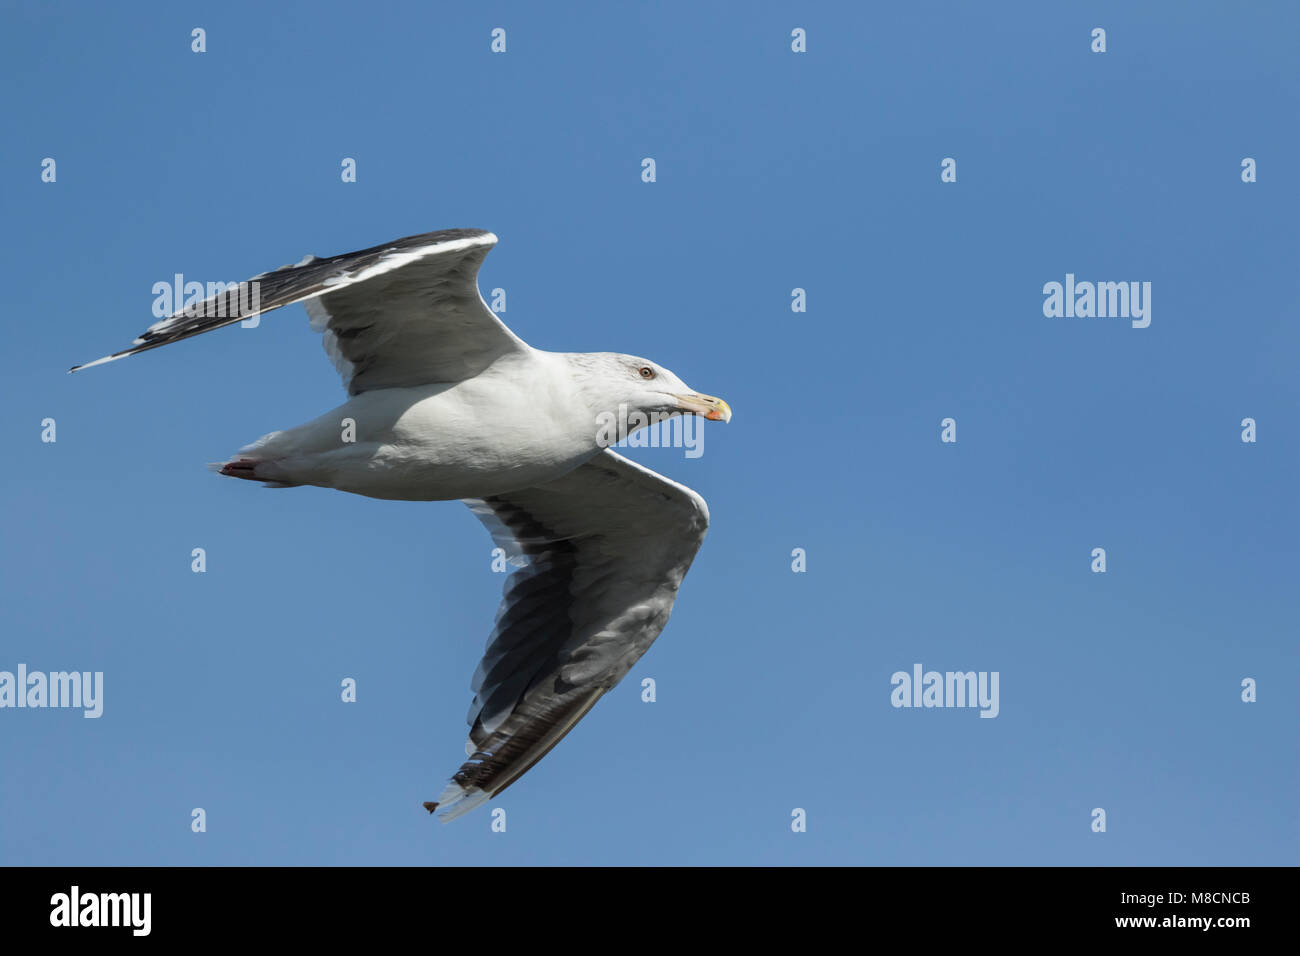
pixel 714 409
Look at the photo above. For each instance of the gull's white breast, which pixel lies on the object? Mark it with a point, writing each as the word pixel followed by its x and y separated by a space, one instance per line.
pixel 516 424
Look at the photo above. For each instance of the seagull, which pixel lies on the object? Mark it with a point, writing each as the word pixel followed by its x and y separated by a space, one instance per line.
pixel 445 403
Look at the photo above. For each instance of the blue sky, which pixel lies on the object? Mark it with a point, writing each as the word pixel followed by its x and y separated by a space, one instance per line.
pixel 775 170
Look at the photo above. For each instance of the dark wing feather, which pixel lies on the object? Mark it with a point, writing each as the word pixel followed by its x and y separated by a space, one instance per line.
pixel 604 550
pixel 407 312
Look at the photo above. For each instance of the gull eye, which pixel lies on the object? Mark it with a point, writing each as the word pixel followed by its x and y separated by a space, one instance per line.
pixel 647 372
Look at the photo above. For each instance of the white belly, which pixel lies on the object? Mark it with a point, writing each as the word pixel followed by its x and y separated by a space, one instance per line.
pixel 431 443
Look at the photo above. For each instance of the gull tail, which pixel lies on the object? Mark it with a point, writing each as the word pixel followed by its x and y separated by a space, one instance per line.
pixel 246 468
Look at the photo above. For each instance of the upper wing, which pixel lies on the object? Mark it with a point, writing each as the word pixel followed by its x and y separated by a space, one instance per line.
pixel 603 551
pixel 404 313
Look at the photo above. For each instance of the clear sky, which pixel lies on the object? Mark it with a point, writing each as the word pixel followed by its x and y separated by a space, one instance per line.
pixel 775 170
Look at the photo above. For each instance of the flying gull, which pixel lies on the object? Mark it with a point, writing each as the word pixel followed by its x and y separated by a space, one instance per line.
pixel 448 403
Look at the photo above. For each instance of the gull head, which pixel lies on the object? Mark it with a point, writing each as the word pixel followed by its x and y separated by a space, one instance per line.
pixel 639 392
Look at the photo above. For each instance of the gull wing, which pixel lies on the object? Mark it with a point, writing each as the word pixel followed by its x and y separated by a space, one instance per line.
pixel 602 552
pixel 404 313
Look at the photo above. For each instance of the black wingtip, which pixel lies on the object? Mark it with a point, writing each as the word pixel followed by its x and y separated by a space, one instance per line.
pixel 102 361
pixel 430 806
